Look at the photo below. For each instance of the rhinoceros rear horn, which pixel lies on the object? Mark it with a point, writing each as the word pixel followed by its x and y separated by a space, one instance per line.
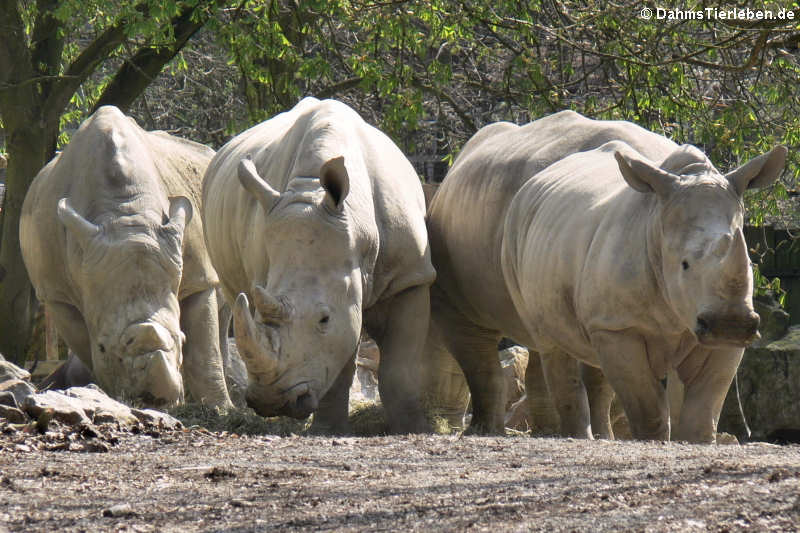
pixel 269 307
pixel 255 185
pixel 336 181
pixel 759 172
pixel 644 176
pixel 180 212
pixel 78 226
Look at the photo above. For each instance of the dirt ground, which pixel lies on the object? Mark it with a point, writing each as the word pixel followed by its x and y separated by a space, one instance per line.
pixel 195 480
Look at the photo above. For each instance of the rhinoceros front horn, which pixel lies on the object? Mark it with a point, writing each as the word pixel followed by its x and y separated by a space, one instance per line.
pixel 257 356
pixel 78 226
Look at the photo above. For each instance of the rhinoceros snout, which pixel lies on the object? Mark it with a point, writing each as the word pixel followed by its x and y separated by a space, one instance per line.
pixel 297 402
pixel 734 329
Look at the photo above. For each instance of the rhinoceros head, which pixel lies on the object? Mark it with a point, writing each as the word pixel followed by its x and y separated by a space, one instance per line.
pixel 305 321
pixel 701 260
pixel 127 275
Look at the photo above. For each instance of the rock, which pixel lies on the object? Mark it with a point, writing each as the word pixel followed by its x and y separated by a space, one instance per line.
pixel 12 414
pixel 156 418
pixel 101 408
pixel 7 398
pixel 518 415
pixel 120 510
pixel 769 387
pixel 11 371
pixel 68 410
pixel 774 320
pixel 514 361
pixel 365 381
pixel 21 390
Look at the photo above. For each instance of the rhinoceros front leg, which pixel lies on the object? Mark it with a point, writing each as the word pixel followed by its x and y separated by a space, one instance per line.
pixel 623 358
pixel 332 414
pixel 401 339
pixel 707 375
pixel 72 328
pixel 563 376
pixel 600 395
pixel 202 363
pixel 543 414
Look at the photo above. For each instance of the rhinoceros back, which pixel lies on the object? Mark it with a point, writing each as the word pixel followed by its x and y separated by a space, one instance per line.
pixel 470 208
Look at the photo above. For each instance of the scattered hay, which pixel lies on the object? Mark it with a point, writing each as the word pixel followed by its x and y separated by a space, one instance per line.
pixel 367 419
pixel 242 421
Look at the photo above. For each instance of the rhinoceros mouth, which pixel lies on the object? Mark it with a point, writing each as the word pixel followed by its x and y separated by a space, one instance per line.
pixel 301 401
pixel 298 401
pixel 726 334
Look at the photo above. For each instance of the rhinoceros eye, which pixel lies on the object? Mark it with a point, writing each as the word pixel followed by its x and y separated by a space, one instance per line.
pixel 102 348
pixel 685 265
pixel 324 320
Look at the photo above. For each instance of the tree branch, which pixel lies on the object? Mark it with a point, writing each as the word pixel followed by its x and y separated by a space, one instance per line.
pixel 138 72
pixel 82 67
pixel 462 114
pixel 339 87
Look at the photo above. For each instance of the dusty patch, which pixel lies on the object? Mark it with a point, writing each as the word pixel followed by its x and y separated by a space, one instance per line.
pixel 198 480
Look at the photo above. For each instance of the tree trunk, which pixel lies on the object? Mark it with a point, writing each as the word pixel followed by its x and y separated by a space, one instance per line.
pixel 30 146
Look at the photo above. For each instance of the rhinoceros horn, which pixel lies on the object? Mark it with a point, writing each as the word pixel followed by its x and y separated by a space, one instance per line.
pixel 737 258
pixel 80 228
pixel 268 306
pixel 257 357
pixel 255 185
pixel 180 213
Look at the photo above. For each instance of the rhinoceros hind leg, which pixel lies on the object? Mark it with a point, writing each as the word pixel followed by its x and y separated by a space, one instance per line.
pixel 331 416
pixel 475 349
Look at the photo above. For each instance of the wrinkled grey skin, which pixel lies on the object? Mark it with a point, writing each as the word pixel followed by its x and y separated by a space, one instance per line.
pixel 603 242
pixel 314 221
pixel 117 258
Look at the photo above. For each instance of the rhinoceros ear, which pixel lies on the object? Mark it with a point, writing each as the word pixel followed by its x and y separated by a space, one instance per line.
pixel 79 227
pixel 759 172
pixel 643 176
pixel 252 182
pixel 336 181
pixel 180 212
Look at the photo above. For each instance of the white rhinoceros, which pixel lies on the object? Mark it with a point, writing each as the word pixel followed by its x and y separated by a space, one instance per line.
pixel 117 258
pixel 317 218
pixel 627 254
